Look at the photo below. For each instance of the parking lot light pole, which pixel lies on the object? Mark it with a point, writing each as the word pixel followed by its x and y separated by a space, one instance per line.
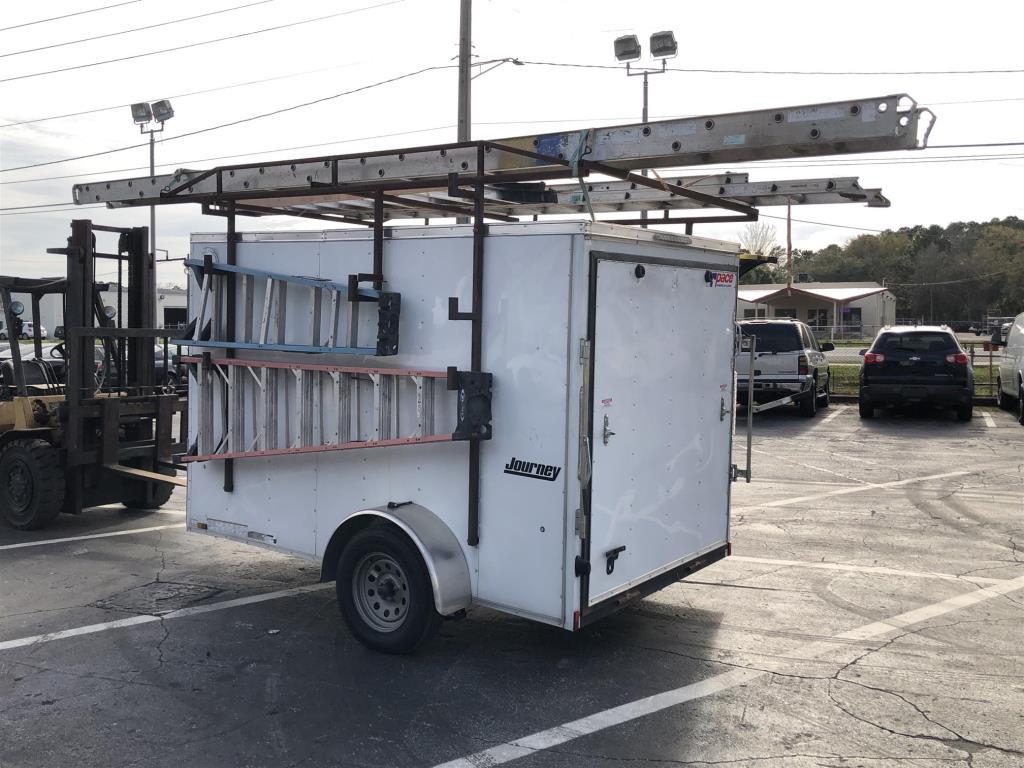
pixel 145 114
pixel 627 49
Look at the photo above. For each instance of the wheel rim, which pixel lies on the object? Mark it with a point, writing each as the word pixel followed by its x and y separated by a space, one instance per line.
pixel 380 592
pixel 20 487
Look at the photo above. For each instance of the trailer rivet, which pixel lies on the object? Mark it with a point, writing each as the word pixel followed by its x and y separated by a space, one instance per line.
pixel 830 185
pixel 293 166
pixel 401 156
pixel 640 271
pixel 380 171
pixel 465 165
pixel 536 142
pixel 97 197
pixel 676 146
pixel 646 131
pixel 108 187
pixel 444 153
pixel 327 163
pixel 231 173
pixel 245 184
pixel 626 196
pixel 815 133
pixel 777 117
pixel 129 183
pixel 855 109
pixel 709 124
pixel 542 529
pixel 261 171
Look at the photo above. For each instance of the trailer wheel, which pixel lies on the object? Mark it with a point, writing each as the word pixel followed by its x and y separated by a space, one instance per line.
pixel 384 591
pixel 31 483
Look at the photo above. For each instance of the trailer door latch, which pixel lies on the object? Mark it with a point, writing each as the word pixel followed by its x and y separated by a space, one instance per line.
pixel 610 557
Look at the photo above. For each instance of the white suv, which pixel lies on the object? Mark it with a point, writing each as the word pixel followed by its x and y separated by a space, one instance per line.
pixel 788 361
pixel 1010 379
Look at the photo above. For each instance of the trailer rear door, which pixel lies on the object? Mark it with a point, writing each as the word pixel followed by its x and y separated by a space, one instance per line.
pixel 662 338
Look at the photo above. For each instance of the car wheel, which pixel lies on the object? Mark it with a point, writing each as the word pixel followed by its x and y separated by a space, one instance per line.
pixel 31 483
pixel 965 412
pixel 1020 404
pixel 1001 399
pixel 809 404
pixel 823 397
pixel 867 410
pixel 384 591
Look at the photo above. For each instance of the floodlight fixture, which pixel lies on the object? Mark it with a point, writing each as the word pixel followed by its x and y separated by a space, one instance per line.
pixel 141 113
pixel 17 308
pixel 162 110
pixel 663 45
pixel 109 312
pixel 627 48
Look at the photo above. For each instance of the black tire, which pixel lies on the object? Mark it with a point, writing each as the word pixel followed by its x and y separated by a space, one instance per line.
pixel 965 412
pixel 823 398
pixel 32 484
pixel 867 410
pixel 1020 404
pixel 405 618
pixel 159 493
pixel 809 402
pixel 1001 399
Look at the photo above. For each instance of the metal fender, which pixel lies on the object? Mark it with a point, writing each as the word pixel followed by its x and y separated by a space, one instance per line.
pixel 445 561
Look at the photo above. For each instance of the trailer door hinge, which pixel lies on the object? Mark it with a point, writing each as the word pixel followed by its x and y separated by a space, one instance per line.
pixel 584 351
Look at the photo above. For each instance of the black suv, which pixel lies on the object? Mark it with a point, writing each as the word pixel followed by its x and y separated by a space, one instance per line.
pixel 916 365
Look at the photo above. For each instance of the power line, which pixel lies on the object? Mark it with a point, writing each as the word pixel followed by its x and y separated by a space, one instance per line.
pixel 241 120
pixel 707 70
pixel 134 29
pixel 177 96
pixel 68 15
pixel 202 42
pixel 958 281
pixel 821 223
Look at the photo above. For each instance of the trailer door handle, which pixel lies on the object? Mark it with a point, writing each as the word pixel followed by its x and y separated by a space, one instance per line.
pixel 607 432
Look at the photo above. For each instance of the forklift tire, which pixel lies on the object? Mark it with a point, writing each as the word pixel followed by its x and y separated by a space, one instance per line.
pixel 136 497
pixel 384 591
pixel 809 403
pixel 32 484
pixel 867 410
pixel 161 495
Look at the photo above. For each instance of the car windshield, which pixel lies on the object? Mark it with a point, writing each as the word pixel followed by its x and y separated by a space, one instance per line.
pixel 774 337
pixel 916 341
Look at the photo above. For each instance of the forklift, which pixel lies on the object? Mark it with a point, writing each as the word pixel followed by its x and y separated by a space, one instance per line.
pixel 85 422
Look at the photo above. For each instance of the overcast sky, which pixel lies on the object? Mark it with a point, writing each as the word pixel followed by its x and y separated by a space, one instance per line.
pixel 325 57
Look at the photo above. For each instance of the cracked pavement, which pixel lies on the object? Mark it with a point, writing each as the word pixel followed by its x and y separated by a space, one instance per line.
pixel 281 683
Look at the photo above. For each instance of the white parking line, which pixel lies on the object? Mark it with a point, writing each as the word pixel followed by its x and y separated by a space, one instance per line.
pixel 837 410
pixel 876 569
pixel 148 618
pixel 599 721
pixel 853 489
pixel 989 421
pixel 91 536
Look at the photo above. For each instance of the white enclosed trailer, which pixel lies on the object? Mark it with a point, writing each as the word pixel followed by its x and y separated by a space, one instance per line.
pixel 599 336
pixel 563 450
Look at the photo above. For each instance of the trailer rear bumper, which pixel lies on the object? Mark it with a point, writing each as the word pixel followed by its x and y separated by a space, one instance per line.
pixel 652 585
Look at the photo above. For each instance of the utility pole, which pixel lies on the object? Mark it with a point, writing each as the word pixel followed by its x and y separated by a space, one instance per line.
pixel 465 121
pixel 152 208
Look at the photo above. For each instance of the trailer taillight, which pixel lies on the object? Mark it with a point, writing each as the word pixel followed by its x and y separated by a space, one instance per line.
pixel 960 358
pixel 873 357
pixel 802 365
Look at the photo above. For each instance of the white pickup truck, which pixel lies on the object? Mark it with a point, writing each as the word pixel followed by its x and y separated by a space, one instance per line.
pixel 789 365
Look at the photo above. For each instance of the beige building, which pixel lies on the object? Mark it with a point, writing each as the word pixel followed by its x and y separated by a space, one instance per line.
pixel 833 310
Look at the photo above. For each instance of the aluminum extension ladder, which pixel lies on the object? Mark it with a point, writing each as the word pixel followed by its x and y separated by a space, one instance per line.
pixel 252 408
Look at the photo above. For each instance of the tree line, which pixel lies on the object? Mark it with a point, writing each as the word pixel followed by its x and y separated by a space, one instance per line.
pixel 963 271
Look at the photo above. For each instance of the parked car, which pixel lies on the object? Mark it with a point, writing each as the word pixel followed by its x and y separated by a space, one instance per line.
pixel 1010 379
pixel 923 365
pixel 28 330
pixel 788 360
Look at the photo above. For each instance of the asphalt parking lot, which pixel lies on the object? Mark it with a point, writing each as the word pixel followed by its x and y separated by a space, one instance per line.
pixel 872 615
